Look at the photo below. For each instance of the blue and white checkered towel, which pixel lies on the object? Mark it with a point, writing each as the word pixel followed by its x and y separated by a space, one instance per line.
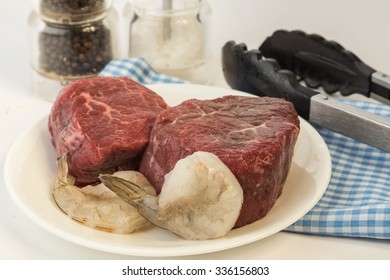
pixel 137 69
pixel 357 201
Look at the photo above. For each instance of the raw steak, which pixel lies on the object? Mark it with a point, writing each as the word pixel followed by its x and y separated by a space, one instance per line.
pixel 104 124
pixel 254 137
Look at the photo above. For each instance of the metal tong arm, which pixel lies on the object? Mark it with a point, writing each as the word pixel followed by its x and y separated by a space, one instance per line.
pixel 351 121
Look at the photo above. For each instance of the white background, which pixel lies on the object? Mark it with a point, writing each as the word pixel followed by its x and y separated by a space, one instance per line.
pixel 360 26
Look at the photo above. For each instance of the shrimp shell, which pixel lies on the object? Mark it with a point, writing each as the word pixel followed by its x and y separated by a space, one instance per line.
pixel 97 206
pixel 200 198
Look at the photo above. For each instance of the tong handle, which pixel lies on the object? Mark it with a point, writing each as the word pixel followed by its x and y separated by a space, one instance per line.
pixel 246 71
pixel 319 62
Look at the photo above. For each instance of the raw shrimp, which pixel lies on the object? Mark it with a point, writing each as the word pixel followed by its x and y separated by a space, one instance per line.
pixel 200 198
pixel 97 206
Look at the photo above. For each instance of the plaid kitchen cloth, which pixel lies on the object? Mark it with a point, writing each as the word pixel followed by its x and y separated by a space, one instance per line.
pixel 137 69
pixel 357 200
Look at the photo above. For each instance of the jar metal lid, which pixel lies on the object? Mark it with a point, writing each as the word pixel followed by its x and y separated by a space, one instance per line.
pixel 71 11
pixel 167 8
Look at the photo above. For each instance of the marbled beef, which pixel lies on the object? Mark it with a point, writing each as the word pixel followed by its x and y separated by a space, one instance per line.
pixel 103 124
pixel 254 137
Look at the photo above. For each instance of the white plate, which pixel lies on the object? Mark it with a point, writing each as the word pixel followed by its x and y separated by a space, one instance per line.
pixel 30 169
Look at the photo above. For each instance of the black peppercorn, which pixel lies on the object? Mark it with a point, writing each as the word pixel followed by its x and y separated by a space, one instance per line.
pixel 71 51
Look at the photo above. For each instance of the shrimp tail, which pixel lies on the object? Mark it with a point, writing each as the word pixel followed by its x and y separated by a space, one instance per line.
pixel 63 177
pixel 146 204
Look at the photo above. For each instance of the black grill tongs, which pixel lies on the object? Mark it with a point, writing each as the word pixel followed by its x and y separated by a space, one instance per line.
pixel 247 70
pixel 325 63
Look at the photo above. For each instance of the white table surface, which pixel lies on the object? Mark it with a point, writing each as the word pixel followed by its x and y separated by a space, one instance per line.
pixel 359 25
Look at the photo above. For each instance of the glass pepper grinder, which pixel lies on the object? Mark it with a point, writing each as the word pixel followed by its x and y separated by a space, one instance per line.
pixel 174 37
pixel 70 40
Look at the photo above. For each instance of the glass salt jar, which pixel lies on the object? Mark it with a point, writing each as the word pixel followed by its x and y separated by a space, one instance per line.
pixel 174 37
pixel 70 40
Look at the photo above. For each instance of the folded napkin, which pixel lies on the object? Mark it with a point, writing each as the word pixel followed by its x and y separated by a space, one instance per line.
pixel 357 201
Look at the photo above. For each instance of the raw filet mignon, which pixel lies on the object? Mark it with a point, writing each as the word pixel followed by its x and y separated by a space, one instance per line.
pixel 103 124
pixel 254 137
